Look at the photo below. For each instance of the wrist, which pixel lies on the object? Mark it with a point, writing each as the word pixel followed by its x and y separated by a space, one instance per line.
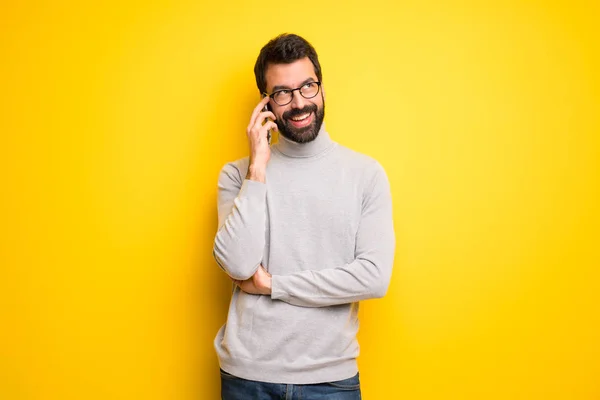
pixel 265 283
pixel 268 285
pixel 257 173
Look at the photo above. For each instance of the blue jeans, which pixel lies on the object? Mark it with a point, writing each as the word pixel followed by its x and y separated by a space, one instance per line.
pixel 234 388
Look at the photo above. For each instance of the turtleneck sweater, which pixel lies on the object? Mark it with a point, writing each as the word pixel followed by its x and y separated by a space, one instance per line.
pixel 321 224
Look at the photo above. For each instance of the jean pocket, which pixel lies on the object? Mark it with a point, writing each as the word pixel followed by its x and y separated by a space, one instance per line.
pixel 346 384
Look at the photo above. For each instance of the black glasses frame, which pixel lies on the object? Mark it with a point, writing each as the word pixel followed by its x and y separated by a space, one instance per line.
pixel 299 89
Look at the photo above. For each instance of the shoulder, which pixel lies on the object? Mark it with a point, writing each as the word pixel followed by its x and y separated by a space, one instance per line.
pixel 371 174
pixel 367 167
pixel 234 171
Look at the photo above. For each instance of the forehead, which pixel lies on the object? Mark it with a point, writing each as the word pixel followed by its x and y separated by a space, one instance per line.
pixel 290 75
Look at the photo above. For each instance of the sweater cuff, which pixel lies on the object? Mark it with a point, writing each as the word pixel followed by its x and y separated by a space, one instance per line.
pixel 252 188
pixel 277 292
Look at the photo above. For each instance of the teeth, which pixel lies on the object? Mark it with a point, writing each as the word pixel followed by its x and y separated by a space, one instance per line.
pixel 300 118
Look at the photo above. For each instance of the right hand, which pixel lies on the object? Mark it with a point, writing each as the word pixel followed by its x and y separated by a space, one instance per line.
pixel 259 283
pixel 260 152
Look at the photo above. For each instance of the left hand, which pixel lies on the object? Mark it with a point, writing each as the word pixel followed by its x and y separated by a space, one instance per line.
pixel 259 283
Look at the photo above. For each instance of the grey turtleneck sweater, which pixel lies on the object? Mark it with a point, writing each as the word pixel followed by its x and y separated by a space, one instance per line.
pixel 322 226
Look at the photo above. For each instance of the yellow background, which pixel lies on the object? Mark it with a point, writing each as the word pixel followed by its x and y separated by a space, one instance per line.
pixel 116 119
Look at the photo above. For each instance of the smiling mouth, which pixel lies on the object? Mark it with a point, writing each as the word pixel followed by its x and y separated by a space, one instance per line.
pixel 301 117
pixel 301 120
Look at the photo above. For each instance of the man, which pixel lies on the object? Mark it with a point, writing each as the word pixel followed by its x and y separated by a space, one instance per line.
pixel 305 232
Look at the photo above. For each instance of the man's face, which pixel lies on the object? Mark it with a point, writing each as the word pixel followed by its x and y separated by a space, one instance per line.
pixel 301 119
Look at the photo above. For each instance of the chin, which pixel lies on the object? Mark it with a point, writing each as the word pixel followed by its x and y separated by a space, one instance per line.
pixel 306 135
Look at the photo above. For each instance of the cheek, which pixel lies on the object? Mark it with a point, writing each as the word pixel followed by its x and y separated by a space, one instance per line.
pixel 279 113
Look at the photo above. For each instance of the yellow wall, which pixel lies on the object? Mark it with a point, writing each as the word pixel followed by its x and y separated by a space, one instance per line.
pixel 117 118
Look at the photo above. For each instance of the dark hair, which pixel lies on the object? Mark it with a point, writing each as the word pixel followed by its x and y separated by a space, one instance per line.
pixel 284 49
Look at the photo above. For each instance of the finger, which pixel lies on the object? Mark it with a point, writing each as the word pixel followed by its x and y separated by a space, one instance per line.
pixel 261 120
pixel 264 115
pixel 261 130
pixel 259 107
pixel 266 127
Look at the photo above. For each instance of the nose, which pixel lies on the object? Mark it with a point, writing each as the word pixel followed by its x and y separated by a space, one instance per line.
pixel 298 101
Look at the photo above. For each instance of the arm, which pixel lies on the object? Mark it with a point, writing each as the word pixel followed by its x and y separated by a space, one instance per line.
pixel 366 277
pixel 240 239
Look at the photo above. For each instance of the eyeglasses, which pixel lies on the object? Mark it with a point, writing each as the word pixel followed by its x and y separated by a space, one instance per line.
pixel 284 97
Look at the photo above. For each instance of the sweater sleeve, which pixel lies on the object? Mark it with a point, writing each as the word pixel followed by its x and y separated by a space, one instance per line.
pixel 366 277
pixel 240 240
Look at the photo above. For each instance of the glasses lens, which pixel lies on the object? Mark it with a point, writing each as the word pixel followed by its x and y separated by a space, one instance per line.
pixel 309 90
pixel 282 97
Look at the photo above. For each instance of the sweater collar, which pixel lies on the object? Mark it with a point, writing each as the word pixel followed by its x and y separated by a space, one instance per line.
pixel 292 149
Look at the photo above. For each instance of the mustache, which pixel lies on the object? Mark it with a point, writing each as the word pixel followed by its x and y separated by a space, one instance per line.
pixel 299 111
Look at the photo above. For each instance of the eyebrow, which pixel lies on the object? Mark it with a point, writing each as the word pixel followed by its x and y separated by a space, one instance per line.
pixel 283 87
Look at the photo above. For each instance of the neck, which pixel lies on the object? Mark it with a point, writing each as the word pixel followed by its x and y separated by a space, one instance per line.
pixel 292 149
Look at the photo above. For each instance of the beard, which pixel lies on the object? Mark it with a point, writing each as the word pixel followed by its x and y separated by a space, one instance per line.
pixel 306 133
